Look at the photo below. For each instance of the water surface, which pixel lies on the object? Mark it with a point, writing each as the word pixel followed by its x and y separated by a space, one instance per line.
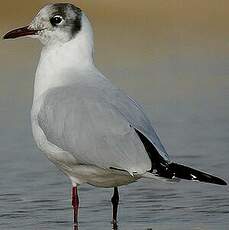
pixel 35 195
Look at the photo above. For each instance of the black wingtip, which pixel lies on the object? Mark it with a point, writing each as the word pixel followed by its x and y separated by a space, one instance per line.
pixel 188 173
pixel 171 170
pixel 216 180
pixel 221 182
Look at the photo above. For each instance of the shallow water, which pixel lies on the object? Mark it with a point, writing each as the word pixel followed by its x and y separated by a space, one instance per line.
pixel 35 195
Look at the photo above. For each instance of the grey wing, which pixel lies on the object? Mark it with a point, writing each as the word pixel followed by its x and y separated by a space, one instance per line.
pixel 82 121
pixel 134 114
pixel 98 124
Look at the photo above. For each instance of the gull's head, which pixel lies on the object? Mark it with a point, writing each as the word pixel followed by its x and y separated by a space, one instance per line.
pixel 60 22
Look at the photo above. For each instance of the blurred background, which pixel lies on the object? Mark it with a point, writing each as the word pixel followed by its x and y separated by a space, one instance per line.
pixel 173 57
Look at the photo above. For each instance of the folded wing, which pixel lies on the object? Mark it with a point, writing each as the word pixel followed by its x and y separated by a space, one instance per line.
pixel 96 123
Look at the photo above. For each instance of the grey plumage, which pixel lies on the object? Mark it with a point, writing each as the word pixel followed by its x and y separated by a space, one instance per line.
pixel 95 122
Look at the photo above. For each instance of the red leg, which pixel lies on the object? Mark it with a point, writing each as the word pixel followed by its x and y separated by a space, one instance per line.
pixel 75 205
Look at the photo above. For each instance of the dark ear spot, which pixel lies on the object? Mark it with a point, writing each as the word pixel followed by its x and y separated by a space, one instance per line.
pixel 76 27
pixel 77 23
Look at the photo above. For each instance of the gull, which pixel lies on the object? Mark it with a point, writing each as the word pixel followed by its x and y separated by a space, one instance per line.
pixel 89 128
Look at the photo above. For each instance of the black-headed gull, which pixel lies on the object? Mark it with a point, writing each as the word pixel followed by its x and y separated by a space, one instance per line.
pixel 89 128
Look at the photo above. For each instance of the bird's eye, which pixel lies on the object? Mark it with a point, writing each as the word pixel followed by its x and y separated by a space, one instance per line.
pixel 56 20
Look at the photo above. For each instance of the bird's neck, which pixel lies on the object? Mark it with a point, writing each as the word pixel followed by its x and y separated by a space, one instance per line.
pixel 64 63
